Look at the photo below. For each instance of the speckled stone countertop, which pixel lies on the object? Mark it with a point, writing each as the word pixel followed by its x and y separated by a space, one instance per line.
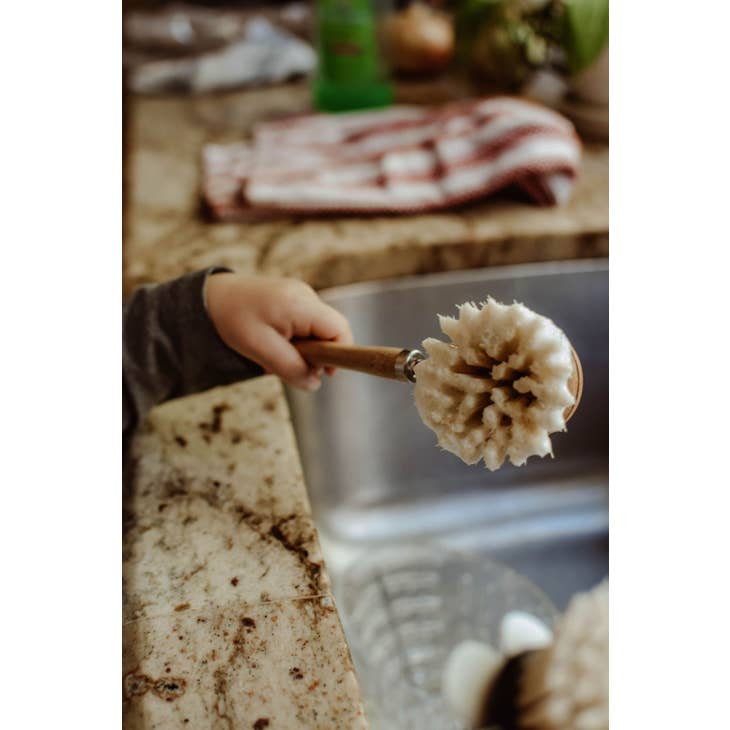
pixel 229 621
pixel 166 235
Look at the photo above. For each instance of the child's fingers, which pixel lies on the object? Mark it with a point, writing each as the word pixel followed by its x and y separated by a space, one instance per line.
pixel 279 356
pixel 326 323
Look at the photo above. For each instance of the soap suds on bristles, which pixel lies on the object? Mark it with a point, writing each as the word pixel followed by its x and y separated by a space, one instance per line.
pixel 500 388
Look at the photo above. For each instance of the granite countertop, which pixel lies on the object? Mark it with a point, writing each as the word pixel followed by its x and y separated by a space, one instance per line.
pixel 166 235
pixel 229 621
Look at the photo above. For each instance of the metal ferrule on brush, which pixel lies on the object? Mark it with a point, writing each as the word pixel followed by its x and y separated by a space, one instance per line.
pixel 405 364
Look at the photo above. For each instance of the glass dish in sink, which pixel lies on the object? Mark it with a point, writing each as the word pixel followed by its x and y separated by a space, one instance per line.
pixel 405 609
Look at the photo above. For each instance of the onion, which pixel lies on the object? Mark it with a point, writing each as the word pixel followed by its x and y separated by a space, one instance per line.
pixel 420 39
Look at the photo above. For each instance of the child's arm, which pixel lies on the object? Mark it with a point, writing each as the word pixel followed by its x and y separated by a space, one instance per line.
pixel 210 328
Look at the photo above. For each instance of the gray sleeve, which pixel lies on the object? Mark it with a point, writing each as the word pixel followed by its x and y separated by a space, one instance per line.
pixel 170 347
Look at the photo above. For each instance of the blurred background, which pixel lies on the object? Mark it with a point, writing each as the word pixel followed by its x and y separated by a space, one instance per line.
pixel 552 50
pixel 201 75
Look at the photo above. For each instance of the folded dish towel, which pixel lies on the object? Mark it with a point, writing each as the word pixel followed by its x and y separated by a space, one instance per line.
pixel 399 160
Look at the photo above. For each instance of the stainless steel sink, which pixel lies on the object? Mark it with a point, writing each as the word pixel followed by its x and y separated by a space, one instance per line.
pixel 376 477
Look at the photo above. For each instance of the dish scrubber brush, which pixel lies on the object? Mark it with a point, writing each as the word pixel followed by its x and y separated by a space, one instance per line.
pixel 506 381
pixel 560 685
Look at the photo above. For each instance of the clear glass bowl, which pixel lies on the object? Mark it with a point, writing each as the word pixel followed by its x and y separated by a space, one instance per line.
pixel 406 608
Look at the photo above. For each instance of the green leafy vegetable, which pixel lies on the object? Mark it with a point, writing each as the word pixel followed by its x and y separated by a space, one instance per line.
pixel 586 31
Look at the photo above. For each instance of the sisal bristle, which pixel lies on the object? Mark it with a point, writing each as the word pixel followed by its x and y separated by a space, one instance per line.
pixel 500 388
pixel 565 687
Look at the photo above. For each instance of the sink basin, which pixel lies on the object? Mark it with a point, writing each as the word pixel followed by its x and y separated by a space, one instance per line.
pixel 374 472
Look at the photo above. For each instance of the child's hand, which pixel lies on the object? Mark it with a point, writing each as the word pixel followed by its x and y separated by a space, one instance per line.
pixel 258 316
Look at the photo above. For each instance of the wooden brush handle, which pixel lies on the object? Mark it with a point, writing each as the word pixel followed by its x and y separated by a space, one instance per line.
pixel 380 361
pixel 575 384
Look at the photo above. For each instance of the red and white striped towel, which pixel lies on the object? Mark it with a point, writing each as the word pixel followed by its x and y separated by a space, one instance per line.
pixel 399 160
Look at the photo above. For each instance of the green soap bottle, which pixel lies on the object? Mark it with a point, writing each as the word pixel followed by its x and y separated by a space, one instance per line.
pixel 351 73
